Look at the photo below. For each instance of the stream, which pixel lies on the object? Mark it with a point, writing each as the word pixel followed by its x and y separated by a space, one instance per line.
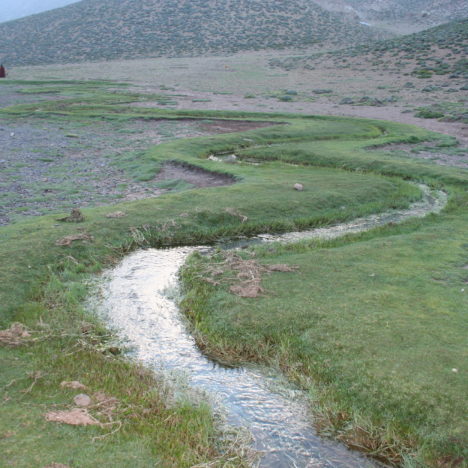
pixel 139 298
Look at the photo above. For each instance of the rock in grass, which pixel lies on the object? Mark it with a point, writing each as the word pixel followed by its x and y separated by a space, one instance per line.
pixel 76 216
pixel 82 400
pixel 298 187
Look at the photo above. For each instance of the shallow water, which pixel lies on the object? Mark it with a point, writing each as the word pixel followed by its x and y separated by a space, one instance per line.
pixel 139 298
pixel 432 201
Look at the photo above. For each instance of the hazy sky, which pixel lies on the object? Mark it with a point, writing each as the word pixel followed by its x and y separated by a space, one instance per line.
pixel 12 9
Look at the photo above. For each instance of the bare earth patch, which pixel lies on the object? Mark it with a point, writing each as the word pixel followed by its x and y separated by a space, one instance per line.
pixel 48 167
pixel 74 417
pixel 248 273
pixel 193 175
pixel 16 335
pixel 68 240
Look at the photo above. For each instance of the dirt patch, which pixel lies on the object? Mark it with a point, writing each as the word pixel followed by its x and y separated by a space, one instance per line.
pixel 231 126
pixel 73 384
pixel 68 240
pixel 74 417
pixel 47 166
pixel 194 175
pixel 57 465
pixel 76 216
pixel 116 214
pixel 248 274
pixel 16 335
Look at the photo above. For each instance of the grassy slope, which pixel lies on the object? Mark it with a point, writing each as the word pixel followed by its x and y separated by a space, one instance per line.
pixel 42 284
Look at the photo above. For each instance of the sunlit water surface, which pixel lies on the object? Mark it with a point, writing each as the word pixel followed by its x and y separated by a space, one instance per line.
pixel 139 299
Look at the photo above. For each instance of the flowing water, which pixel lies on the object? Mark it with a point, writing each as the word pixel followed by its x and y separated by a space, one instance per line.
pixel 139 298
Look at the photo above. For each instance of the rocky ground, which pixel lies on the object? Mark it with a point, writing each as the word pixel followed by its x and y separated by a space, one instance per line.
pixel 248 81
pixel 49 166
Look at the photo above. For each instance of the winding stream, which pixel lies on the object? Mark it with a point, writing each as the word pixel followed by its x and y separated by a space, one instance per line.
pixel 139 299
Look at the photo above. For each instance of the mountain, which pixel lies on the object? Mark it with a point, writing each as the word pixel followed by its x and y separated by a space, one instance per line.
pixel 413 14
pixel 111 29
pixel 12 9
pixel 442 50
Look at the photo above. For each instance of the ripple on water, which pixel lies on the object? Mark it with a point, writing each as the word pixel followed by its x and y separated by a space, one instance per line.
pixel 139 300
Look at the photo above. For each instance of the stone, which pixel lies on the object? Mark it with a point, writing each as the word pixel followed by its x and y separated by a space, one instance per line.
pixel 82 400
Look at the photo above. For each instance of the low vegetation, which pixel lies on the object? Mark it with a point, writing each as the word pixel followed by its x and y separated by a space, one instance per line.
pixel 372 330
pixel 437 51
pixel 115 29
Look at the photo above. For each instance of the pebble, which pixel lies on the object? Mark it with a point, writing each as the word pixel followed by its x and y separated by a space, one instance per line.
pixel 82 400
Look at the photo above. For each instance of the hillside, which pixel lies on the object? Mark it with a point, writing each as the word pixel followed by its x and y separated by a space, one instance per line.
pixel 401 14
pixel 110 29
pixel 437 51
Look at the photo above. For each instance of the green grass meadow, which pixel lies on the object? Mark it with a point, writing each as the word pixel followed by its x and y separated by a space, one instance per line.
pixel 371 326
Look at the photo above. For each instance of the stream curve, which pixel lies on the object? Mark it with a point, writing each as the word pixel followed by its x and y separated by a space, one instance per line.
pixel 139 299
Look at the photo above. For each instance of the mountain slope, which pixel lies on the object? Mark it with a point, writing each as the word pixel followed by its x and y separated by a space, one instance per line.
pixel 442 50
pixel 110 29
pixel 413 14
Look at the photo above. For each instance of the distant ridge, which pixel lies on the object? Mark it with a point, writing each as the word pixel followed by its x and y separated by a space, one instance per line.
pixel 442 50
pixel 93 30
pixel 395 14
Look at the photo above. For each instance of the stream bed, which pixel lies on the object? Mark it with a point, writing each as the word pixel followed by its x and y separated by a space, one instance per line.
pixel 139 298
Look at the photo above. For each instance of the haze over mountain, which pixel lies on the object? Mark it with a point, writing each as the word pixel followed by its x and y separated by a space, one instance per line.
pixel 111 29
pixel 13 9
pixel 395 14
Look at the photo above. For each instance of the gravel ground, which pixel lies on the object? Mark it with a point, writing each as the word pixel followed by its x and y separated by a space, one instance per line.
pixel 46 167
pixel 9 96
pixel 50 166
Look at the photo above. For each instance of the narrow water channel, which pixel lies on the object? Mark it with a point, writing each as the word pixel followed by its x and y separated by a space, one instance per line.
pixel 139 299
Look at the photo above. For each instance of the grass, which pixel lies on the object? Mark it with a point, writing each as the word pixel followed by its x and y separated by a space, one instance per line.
pixel 372 330
pixel 337 337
